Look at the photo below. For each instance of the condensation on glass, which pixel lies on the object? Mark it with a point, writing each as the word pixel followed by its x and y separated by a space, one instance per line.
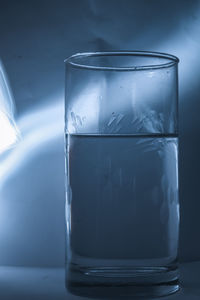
pixel 122 206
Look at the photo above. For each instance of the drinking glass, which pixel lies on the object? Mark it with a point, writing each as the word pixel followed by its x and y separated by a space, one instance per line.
pixel 122 205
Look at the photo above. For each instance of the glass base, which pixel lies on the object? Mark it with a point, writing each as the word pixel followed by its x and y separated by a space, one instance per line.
pixel 122 282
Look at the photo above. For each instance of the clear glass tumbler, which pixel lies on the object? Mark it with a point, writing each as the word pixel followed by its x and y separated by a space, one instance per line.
pixel 122 206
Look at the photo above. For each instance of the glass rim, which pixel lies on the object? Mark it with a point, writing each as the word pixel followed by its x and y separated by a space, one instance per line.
pixel 173 60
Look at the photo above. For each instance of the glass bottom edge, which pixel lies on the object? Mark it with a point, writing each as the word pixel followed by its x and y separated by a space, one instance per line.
pixel 121 282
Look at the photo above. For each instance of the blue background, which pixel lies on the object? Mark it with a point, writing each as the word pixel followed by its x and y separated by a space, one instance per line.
pixel 35 38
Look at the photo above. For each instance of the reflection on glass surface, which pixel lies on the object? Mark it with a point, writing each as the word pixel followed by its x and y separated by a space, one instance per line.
pixel 9 133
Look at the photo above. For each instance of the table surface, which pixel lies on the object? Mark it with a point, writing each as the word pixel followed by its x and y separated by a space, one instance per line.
pixel 34 283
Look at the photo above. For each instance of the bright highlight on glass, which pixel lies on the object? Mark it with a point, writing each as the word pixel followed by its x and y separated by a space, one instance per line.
pixel 8 130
